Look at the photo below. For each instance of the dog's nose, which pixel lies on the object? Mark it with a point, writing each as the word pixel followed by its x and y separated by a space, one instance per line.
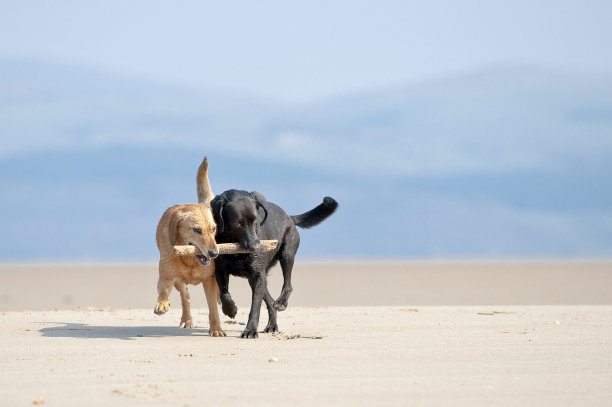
pixel 213 253
pixel 254 246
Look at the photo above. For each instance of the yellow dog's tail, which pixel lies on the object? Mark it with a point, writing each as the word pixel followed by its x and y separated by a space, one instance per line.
pixel 205 194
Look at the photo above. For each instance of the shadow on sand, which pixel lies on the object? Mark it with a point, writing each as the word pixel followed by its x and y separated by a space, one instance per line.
pixel 78 330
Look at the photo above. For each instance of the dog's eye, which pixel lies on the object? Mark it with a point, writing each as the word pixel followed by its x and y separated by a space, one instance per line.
pixel 214 229
pixel 237 225
pixel 198 230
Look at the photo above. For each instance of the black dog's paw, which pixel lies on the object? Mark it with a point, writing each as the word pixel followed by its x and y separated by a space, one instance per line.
pixel 249 333
pixel 229 307
pixel 280 305
pixel 271 327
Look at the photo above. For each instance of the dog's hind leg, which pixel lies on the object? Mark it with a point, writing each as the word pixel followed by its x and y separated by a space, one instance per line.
pixel 211 290
pixel 272 324
pixel 286 259
pixel 181 287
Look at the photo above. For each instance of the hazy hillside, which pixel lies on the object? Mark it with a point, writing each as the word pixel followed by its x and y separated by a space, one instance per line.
pixel 504 162
pixel 63 107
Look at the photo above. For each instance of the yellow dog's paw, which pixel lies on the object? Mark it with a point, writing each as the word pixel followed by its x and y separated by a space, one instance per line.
pixel 186 324
pixel 162 307
pixel 216 332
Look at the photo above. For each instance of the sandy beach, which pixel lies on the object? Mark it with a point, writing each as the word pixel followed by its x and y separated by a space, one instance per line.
pixel 388 334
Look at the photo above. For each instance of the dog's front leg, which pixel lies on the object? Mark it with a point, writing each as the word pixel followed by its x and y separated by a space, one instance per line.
pixel 258 288
pixel 164 286
pixel 210 290
pixel 186 320
pixel 227 303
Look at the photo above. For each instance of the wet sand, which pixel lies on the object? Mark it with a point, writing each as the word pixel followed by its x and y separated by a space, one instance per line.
pixel 57 286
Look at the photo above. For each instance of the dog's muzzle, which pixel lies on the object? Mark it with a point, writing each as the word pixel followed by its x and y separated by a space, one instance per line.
pixel 203 260
pixel 251 245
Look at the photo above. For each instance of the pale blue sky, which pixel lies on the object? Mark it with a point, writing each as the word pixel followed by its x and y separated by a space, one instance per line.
pixel 300 51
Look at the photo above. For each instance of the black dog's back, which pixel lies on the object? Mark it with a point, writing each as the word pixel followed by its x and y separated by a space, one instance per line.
pixel 317 215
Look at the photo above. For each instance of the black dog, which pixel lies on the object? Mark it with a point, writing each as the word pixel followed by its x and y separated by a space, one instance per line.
pixel 246 218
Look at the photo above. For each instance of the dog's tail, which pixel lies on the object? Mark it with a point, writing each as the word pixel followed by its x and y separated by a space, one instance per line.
pixel 205 194
pixel 317 215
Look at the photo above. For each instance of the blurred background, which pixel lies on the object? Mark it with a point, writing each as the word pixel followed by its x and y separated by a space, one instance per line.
pixel 445 129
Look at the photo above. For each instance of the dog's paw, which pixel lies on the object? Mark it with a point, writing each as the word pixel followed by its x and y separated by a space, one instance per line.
pixel 249 333
pixel 280 305
pixel 229 307
pixel 216 332
pixel 271 327
pixel 162 307
pixel 186 324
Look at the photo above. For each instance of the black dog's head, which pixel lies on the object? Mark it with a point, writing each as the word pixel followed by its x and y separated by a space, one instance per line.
pixel 237 217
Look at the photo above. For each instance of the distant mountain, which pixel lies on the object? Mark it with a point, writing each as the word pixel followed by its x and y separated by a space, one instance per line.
pixel 49 106
pixel 500 120
pixel 506 162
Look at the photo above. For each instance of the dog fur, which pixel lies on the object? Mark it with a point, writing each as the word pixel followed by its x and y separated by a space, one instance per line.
pixel 246 218
pixel 189 224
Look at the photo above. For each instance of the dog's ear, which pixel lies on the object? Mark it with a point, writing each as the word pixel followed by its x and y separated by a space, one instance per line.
pixel 218 205
pixel 261 203
pixel 173 226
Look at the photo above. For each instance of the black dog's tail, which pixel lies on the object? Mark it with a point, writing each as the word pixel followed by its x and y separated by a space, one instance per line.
pixel 317 215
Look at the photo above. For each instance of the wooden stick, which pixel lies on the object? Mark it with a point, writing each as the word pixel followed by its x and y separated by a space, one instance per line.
pixel 225 248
